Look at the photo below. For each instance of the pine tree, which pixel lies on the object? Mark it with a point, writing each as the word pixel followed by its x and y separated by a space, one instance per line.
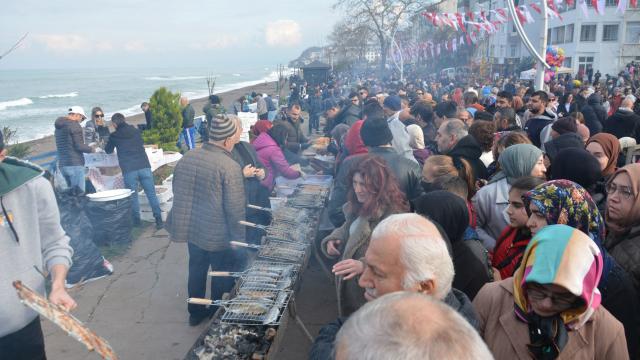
pixel 166 120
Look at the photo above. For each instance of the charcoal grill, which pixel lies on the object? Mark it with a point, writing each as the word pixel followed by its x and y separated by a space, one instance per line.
pixel 263 274
pixel 281 231
pixel 278 250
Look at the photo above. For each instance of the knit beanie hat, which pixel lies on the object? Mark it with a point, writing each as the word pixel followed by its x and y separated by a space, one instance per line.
pixel 221 127
pixel 565 125
pixel 375 132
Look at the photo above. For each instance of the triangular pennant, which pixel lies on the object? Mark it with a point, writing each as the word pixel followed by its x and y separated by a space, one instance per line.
pixel 521 17
pixel 460 18
pixel 468 38
pixel 535 7
pixel 583 7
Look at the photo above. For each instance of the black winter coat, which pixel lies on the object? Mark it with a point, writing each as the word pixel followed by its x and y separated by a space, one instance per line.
pixel 70 142
pixel 407 172
pixel 323 345
pixel 469 149
pixel 131 155
pixel 623 123
pixel 594 114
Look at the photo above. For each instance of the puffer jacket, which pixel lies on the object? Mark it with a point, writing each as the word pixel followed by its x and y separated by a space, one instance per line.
pixel 272 157
pixel 295 137
pixel 353 246
pixel 70 142
pixel 623 123
pixel 407 172
pixel 625 249
pixel 208 199
pixel 535 124
pixel 469 149
pixel 594 114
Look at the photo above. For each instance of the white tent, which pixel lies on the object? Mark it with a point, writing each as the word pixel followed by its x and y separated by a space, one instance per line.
pixel 528 74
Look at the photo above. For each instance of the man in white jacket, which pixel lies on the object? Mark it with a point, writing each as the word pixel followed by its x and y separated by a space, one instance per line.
pixel 31 240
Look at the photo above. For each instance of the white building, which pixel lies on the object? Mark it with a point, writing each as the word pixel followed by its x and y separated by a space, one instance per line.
pixel 605 42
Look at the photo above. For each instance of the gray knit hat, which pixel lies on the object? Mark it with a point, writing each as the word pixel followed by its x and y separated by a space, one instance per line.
pixel 221 127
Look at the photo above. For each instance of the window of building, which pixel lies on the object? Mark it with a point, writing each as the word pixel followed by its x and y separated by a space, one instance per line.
pixel 611 3
pixel 567 62
pixel 514 50
pixel 584 62
pixel 588 32
pixel 610 32
pixel 568 33
pixel 632 35
pixel 557 35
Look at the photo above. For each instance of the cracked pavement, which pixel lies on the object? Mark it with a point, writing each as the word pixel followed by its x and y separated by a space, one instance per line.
pixel 140 310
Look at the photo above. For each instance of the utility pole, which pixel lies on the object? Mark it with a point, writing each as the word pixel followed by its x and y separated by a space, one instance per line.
pixel 543 46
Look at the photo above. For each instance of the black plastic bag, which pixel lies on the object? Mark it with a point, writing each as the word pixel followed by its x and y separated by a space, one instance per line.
pixel 87 259
pixel 111 220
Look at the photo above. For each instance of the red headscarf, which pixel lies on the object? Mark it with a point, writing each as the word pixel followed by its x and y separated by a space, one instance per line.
pixel 353 141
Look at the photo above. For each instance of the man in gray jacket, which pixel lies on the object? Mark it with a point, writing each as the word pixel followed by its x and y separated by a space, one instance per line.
pixel 208 202
pixel 31 240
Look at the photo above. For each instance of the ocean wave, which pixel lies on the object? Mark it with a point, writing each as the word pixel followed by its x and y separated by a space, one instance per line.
pixel 71 94
pixel 236 74
pixel 13 103
pixel 174 78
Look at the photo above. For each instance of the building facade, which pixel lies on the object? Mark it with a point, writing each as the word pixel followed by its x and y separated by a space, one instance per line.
pixel 603 42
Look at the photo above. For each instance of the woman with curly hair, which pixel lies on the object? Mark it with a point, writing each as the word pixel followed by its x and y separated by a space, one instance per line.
pixel 373 195
pixel 565 202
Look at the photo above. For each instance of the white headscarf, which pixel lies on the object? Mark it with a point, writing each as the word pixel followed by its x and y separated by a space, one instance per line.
pixel 416 137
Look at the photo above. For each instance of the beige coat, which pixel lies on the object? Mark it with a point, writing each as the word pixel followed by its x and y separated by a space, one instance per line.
pixel 601 338
pixel 350 294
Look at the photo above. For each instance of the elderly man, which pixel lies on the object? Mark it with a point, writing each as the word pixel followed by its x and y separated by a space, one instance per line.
pixel 208 202
pixel 31 240
pixel 453 139
pixel 392 106
pixel 624 122
pixel 409 326
pixel 71 147
pixel 406 252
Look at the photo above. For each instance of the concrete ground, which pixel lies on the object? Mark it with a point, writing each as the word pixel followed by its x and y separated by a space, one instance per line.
pixel 141 310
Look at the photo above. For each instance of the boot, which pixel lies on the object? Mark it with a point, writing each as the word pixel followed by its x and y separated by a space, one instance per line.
pixel 159 223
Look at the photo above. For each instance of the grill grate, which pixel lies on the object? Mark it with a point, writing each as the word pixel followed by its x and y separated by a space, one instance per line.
pixel 269 275
pixel 283 251
pixel 264 310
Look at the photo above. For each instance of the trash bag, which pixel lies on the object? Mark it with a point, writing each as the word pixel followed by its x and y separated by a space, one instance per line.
pixel 112 221
pixel 88 262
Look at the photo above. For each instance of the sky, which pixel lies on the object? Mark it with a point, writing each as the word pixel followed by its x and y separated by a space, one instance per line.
pixel 67 34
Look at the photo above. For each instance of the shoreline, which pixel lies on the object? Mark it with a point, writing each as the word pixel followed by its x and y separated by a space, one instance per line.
pixel 47 143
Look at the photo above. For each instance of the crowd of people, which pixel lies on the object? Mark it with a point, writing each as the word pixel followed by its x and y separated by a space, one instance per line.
pixel 512 206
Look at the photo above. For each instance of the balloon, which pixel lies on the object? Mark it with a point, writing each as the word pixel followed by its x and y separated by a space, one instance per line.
pixel 561 52
pixel 547 77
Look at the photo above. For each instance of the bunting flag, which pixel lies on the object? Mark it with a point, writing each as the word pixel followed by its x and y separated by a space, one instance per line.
pixel 583 7
pixel 634 3
pixel 570 3
pixel 536 8
pixel 622 6
pixel 460 18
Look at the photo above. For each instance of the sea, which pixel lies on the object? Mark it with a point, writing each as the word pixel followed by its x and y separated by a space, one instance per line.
pixel 31 100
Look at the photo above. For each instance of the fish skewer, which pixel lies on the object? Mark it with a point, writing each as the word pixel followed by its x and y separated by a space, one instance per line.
pixel 64 320
pixel 278 250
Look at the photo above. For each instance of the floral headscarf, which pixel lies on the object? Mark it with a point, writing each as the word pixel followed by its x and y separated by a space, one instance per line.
pixel 563 256
pixel 567 203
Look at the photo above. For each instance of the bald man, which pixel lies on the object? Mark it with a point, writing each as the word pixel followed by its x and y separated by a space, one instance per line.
pixel 409 326
pixel 406 252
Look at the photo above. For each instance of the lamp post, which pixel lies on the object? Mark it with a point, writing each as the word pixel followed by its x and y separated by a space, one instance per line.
pixel 525 40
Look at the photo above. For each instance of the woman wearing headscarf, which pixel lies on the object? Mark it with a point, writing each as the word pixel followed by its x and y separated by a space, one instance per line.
pixel 510 245
pixel 623 220
pixel 373 195
pixel 550 308
pixel 416 142
pixel 565 202
pixel 470 258
pixel 606 149
pixel 492 199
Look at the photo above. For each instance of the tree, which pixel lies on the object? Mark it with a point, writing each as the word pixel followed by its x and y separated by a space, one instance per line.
pixel 166 120
pixel 350 41
pixel 382 17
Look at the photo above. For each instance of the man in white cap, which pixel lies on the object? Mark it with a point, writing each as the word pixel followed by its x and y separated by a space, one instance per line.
pixel 70 145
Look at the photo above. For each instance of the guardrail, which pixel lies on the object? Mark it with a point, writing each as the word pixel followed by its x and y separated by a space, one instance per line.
pixel 47 160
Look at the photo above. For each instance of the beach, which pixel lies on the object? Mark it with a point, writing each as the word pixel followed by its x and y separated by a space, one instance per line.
pixel 47 144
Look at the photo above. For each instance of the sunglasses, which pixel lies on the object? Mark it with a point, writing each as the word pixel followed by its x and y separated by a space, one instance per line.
pixel 98 115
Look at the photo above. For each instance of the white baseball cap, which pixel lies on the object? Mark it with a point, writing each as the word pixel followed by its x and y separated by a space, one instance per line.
pixel 77 110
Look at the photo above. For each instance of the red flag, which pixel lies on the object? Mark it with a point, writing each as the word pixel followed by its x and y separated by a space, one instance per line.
pixel 470 15
pixel 468 38
pixel 461 22
pixel 634 3
pixel 570 3
pixel 536 8
pixel 521 17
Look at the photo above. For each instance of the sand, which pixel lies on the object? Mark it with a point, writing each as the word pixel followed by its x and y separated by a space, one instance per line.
pixel 47 144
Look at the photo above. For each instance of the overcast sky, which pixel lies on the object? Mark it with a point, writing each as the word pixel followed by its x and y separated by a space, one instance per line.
pixel 161 33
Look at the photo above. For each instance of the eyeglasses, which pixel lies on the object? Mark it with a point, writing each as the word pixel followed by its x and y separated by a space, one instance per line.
pixel 624 191
pixel 564 301
pixel 98 115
